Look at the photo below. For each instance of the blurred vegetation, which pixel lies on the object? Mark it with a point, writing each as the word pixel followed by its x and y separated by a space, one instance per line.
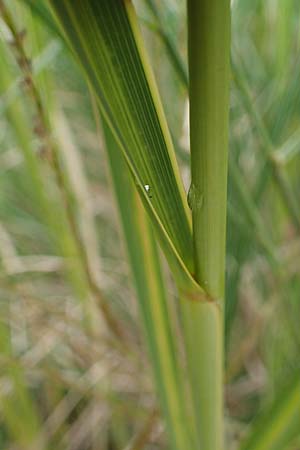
pixel 67 381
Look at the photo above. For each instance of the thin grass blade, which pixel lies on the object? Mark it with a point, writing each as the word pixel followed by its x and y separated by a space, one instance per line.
pixel 106 39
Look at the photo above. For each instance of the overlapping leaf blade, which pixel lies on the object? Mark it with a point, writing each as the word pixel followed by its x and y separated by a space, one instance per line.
pixel 105 38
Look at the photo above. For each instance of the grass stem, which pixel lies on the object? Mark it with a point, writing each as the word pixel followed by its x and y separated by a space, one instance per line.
pixel 209 75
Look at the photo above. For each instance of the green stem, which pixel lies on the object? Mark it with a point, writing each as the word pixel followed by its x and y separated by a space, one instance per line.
pixel 209 73
pixel 203 336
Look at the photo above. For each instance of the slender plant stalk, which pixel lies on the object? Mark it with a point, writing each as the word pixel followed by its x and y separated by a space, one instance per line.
pixel 209 47
pixel 209 74
pixel 203 329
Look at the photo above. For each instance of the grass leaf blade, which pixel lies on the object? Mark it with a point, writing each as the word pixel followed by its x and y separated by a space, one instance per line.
pixel 105 37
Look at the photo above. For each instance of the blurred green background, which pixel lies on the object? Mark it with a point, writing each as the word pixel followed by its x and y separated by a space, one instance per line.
pixel 65 382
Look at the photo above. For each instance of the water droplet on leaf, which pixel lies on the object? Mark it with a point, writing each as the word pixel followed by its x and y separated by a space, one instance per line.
pixel 148 190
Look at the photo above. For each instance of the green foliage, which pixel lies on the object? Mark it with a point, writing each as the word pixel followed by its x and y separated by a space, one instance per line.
pixel 109 281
